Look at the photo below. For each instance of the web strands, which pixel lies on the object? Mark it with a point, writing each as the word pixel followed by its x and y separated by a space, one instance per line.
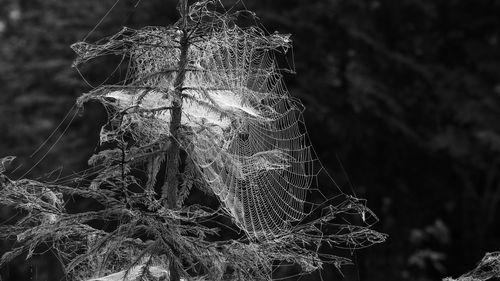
pixel 245 129
pixel 258 163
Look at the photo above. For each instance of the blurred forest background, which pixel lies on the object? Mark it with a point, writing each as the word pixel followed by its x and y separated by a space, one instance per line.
pixel 403 106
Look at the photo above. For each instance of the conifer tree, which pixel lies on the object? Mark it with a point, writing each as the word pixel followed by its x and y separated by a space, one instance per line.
pixel 202 107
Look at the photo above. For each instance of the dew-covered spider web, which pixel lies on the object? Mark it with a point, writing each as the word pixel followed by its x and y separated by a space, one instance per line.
pixel 246 133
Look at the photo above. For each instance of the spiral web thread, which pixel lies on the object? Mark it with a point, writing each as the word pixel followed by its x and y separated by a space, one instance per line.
pixel 246 134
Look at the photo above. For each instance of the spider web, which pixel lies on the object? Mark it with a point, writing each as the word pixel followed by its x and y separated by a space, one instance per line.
pixel 240 126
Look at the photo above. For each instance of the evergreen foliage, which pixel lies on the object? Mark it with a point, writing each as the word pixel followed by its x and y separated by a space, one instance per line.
pixel 151 161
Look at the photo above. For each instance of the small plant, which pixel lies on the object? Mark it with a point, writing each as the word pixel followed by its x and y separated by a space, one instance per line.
pixel 203 107
pixel 487 269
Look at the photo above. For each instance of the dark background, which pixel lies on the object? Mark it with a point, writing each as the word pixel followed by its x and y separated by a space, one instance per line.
pixel 405 95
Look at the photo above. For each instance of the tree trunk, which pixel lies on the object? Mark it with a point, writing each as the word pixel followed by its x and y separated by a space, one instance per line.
pixel 170 187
